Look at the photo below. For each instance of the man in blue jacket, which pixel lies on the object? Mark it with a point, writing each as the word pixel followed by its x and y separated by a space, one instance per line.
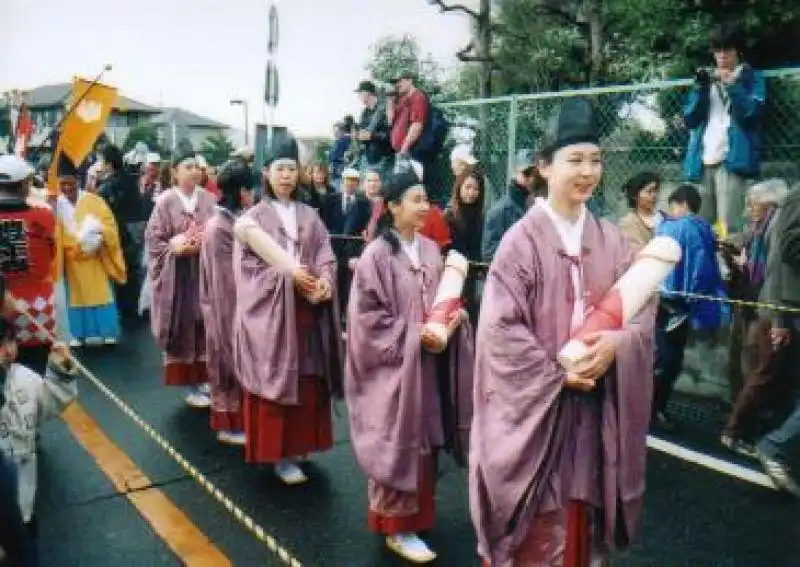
pixel 724 115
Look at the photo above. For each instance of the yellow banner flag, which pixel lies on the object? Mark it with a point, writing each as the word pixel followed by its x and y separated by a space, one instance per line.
pixel 91 105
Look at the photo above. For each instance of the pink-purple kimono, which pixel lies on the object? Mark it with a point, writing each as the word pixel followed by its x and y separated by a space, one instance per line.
pixel 175 317
pixel 218 303
pixel 404 403
pixel 538 450
pixel 287 352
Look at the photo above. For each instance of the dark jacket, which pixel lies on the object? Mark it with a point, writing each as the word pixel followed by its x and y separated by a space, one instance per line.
pixel 374 121
pixel 466 235
pixel 744 135
pixel 782 278
pixel 502 216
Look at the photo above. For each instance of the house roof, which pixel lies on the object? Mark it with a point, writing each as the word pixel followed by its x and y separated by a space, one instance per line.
pixel 182 117
pixel 55 95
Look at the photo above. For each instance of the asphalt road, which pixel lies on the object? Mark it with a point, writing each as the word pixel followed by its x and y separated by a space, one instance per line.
pixel 694 517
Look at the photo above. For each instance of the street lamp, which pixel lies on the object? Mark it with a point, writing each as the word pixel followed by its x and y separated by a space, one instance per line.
pixel 236 102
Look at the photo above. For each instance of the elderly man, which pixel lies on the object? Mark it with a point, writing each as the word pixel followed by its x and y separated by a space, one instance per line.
pixel 508 210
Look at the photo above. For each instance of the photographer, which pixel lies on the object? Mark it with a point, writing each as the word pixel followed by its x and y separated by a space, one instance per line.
pixel 373 130
pixel 723 113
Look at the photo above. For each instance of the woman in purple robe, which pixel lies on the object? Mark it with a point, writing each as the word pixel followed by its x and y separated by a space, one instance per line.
pixel 406 400
pixel 286 330
pixel 557 462
pixel 218 302
pixel 173 237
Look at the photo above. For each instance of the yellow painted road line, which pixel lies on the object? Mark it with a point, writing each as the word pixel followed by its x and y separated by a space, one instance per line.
pixel 167 520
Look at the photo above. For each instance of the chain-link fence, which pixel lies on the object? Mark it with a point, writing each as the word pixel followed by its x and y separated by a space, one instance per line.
pixel 642 128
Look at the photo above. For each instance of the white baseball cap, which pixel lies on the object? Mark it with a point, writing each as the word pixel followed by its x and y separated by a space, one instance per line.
pixel 152 157
pixel 463 153
pixel 14 169
pixel 350 173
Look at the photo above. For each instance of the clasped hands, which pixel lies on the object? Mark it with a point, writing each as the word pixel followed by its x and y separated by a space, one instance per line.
pixel 431 342
pixel 599 358
pixel 188 243
pixel 315 290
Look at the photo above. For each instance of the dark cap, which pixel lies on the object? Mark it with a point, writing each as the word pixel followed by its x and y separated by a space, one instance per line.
pixel 573 122
pixel 398 184
pixel 725 36
pixel 366 87
pixel 403 75
pixel 284 149
pixel 181 155
pixel 65 167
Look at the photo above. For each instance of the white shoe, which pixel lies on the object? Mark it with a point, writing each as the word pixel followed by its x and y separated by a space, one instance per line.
pixel 410 547
pixel 290 473
pixel 204 389
pixel 93 341
pixel 198 400
pixel 110 341
pixel 75 343
pixel 232 437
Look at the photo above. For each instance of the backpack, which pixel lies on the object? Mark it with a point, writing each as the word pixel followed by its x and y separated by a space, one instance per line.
pixel 434 132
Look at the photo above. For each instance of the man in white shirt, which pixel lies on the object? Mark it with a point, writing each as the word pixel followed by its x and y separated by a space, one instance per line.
pixel 723 113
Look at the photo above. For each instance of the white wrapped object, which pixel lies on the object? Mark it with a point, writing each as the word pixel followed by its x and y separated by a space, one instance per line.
pixel 448 296
pixel 248 232
pixel 90 234
pixel 626 298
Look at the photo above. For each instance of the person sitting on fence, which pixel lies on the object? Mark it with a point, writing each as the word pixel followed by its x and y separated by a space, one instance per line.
pixel 696 273
pixel 508 210
pixel 639 225
pixel 723 113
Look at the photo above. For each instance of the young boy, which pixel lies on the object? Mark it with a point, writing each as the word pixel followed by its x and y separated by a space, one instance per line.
pixel 27 401
pixel 697 273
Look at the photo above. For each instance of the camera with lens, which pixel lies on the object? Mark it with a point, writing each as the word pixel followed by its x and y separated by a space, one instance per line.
pixel 703 76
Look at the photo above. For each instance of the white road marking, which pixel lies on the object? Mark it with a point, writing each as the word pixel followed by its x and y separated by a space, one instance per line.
pixel 712 463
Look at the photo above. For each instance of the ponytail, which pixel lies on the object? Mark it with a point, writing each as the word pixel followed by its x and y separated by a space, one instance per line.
pixel 385 229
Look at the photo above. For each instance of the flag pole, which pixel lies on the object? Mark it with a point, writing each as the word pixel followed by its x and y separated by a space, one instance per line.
pixel 73 107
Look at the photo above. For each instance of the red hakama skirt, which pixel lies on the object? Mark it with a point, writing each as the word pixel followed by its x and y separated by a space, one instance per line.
pixel 184 373
pixel 275 431
pixel 389 508
pixel 546 543
pixel 227 420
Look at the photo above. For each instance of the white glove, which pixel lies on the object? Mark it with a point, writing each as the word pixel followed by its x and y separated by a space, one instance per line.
pixel 90 235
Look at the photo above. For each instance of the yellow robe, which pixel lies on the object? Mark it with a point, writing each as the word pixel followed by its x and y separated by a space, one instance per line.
pixel 88 275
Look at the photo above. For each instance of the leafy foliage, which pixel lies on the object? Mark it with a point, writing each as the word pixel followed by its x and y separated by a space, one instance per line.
pixel 217 148
pixel 147 133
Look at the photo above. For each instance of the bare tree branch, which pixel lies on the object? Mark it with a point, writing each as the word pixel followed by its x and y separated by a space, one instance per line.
pixel 454 8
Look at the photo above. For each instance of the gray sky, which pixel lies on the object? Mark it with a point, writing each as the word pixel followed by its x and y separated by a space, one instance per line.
pixel 198 54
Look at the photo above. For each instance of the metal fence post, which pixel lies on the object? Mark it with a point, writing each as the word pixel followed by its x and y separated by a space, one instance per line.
pixel 512 137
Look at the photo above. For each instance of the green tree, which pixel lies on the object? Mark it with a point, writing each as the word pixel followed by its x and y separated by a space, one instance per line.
pixel 147 133
pixel 217 148
pixel 321 151
pixel 392 55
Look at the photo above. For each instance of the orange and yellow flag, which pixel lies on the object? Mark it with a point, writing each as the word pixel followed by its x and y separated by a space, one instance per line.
pixel 89 109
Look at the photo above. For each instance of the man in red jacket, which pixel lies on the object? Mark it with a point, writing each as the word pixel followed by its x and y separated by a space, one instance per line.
pixel 27 255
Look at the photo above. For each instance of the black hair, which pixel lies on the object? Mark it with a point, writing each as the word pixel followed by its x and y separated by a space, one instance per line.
pixel 635 184
pixel 687 195
pixel 233 177
pixel 725 36
pixel 393 192
pixel 113 157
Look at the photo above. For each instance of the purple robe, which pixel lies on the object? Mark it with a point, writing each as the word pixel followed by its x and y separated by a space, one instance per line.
pixel 175 316
pixel 536 445
pixel 218 303
pixel 394 403
pixel 264 330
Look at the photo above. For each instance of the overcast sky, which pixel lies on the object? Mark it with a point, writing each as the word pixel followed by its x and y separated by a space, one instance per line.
pixel 198 54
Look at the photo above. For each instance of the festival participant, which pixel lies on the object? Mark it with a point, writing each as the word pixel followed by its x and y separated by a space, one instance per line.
pixel 218 301
pixel 557 459
pixel 173 239
pixel 30 231
pixel 92 260
pixel 286 330
pixel 406 399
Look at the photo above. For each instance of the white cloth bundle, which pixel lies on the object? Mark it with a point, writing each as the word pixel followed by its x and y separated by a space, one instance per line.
pixel 248 232
pixel 448 296
pixel 626 298
pixel 90 234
